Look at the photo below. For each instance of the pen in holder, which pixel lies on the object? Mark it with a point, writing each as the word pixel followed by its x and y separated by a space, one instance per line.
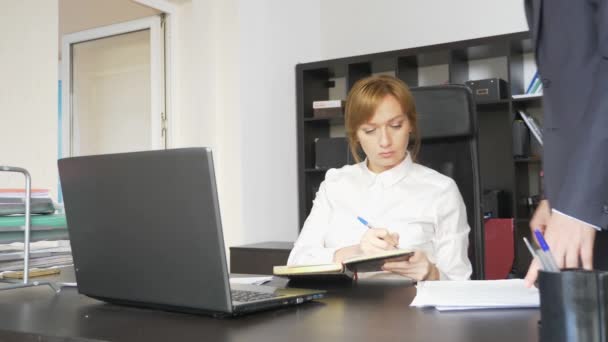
pixel 573 305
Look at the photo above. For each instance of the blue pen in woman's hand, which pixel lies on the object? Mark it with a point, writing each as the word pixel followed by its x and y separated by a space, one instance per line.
pixel 550 261
pixel 390 238
pixel 365 223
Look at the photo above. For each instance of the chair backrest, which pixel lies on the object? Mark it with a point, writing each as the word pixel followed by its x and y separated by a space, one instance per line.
pixel 447 122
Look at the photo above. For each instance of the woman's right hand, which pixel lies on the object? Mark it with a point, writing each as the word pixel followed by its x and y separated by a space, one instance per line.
pixel 377 240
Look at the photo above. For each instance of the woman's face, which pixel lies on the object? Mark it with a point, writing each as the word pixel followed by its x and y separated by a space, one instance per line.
pixel 384 138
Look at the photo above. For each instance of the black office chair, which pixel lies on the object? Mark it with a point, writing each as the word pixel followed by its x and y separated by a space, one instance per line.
pixel 447 121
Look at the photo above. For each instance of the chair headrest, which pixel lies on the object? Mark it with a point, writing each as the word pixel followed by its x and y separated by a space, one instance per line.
pixel 446 111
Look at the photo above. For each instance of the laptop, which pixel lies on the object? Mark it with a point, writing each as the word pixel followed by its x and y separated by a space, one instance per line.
pixel 145 230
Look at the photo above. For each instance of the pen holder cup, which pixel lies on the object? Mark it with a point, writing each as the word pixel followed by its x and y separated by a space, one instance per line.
pixel 573 305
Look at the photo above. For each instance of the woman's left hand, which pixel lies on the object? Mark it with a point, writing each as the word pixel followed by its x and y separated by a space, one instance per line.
pixel 417 267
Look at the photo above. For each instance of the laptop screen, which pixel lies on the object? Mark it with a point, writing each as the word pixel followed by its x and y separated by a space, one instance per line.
pixel 145 227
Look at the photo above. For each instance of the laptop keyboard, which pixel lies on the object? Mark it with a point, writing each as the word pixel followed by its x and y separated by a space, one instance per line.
pixel 250 296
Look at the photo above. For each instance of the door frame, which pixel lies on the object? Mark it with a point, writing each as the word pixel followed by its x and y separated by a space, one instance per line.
pixel 171 17
pixel 157 73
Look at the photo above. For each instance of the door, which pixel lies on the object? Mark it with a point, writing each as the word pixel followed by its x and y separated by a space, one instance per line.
pixel 113 89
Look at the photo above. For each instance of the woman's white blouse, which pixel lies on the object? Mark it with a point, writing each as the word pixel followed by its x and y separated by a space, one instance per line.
pixel 422 205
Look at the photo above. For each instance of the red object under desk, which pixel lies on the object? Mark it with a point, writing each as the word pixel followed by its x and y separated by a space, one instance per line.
pixel 499 247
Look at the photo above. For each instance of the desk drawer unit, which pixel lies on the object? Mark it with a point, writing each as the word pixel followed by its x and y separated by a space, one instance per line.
pixel 259 258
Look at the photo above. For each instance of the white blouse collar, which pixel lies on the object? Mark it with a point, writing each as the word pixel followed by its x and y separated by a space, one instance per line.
pixel 389 177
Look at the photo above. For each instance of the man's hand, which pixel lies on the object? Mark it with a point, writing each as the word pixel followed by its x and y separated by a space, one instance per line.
pixel 541 217
pixel 571 243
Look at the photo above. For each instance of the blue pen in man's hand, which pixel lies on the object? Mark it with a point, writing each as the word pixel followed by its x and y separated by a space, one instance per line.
pixel 551 265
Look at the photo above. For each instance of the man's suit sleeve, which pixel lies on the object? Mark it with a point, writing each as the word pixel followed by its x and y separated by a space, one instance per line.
pixel 602 22
pixel 584 194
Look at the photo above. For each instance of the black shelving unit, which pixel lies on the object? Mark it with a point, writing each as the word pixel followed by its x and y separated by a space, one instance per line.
pixel 499 169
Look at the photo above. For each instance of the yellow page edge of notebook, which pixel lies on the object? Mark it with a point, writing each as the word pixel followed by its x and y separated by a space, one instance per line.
pixel 307 269
pixel 362 263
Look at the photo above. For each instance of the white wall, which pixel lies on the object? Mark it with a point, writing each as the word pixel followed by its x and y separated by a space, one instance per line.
pixel 359 27
pixel 275 35
pixel 236 93
pixel 207 97
pixel 28 91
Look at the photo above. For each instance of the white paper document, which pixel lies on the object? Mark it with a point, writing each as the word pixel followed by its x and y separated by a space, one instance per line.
pixel 475 294
pixel 250 280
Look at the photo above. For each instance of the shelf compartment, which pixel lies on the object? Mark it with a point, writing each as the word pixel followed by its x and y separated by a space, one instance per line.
pixel 357 71
pixel 335 119
pixel 308 170
pixel 532 159
pixel 491 104
pixel 525 102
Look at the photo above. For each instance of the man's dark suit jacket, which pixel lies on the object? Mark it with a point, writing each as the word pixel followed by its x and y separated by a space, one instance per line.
pixel 571 42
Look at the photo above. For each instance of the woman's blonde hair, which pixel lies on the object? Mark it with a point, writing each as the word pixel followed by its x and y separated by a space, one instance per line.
pixel 362 101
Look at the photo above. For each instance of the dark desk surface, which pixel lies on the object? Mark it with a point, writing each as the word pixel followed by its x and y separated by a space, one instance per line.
pixel 366 312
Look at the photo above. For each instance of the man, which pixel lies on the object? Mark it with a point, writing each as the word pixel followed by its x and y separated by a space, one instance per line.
pixel 571 49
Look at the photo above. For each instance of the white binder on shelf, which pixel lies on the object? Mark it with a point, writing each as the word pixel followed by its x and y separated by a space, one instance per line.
pixel 533 126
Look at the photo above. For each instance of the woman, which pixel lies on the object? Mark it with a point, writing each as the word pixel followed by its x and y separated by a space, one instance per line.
pixel 407 205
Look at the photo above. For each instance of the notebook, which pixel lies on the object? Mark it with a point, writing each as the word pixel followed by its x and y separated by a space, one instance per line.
pixel 347 269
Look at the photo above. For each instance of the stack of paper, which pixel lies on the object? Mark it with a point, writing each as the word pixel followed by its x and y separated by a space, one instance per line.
pixel 12 201
pixel 475 294
pixel 42 254
pixel 44 227
pixel 13 223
